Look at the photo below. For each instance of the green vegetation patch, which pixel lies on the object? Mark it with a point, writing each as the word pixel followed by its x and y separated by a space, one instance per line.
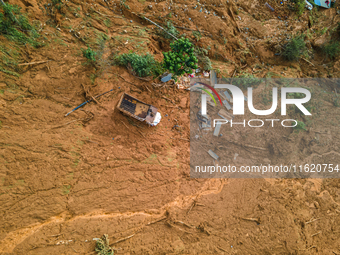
pixel 295 48
pixel 15 26
pixel 181 59
pixel 332 50
pixel 141 65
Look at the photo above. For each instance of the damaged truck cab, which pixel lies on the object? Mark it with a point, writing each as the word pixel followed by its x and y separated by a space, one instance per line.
pixel 139 110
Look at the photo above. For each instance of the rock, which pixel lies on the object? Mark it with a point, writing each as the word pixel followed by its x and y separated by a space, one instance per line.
pixel 183 103
pixel 178 246
pixel 72 70
pixel 318 42
pixel 336 68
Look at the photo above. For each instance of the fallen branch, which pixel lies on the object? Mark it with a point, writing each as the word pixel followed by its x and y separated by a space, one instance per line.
pixel 168 99
pixel 141 133
pixel 308 248
pixel 170 106
pixel 125 125
pixel 123 239
pixel 257 220
pixel 34 63
pixel 193 204
pixel 180 139
pixel 161 28
pixel 222 249
pixel 189 29
pixel 254 147
pixel 153 222
pixel 316 234
pixel 130 82
pixel 312 221
pixel 67 123
pixel 178 228
pixel 129 129
pixel 308 61
pixel 87 102
pixel 232 15
pixel 87 92
pixel 101 13
pixel 185 224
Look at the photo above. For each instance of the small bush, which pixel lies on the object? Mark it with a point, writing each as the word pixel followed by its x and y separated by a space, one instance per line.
pixel 181 59
pixel 142 66
pixel 331 50
pixel 89 54
pixel 295 48
pixel 300 126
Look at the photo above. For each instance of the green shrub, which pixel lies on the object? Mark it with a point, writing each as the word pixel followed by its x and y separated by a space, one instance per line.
pixel 142 66
pixel 295 48
pixel 181 59
pixel 300 126
pixel 16 27
pixel 89 54
pixel 331 50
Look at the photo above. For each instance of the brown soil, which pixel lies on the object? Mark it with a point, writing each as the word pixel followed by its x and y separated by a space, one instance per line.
pixel 67 180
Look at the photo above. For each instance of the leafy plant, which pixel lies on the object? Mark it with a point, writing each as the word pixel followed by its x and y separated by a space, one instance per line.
pixel 300 126
pixel 90 54
pixel 141 65
pixel 181 59
pixel 295 48
pixel 103 246
pixel 332 50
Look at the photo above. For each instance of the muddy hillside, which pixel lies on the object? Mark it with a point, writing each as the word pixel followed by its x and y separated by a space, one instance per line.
pixel 65 181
